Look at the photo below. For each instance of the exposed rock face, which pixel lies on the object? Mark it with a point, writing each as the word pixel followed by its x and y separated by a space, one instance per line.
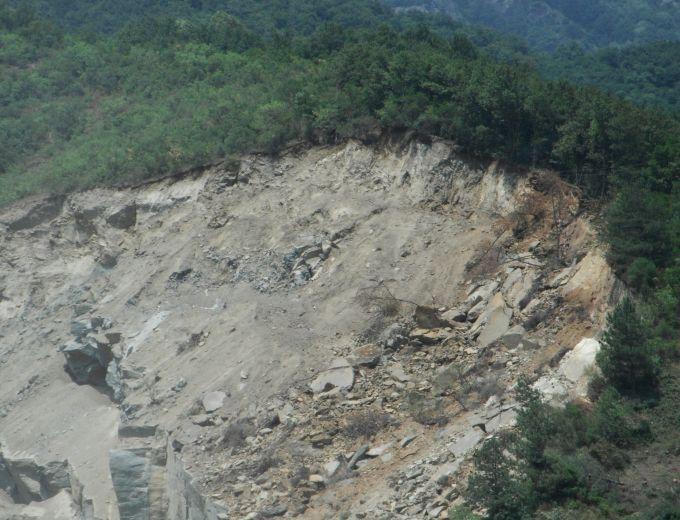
pixel 591 283
pixel 256 318
pixel 185 499
pixel 140 480
pixel 130 472
pixel 26 481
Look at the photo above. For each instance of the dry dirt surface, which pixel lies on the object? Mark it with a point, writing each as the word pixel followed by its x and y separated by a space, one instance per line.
pixel 162 338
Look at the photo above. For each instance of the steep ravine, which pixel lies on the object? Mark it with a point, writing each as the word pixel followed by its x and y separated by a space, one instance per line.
pixel 195 347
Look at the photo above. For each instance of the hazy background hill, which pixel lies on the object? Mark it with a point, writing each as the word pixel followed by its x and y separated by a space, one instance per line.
pixel 548 24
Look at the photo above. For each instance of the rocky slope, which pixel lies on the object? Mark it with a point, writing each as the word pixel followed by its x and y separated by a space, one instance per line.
pixel 327 334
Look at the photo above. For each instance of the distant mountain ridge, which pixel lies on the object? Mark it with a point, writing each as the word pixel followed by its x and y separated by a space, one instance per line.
pixel 549 24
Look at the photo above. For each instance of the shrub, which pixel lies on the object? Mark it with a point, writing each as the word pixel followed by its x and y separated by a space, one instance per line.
pixel 365 423
pixel 462 513
pixel 561 478
pixel 426 410
pixel 234 435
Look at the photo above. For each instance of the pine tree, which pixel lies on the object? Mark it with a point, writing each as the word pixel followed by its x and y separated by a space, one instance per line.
pixel 495 485
pixel 533 425
pixel 626 359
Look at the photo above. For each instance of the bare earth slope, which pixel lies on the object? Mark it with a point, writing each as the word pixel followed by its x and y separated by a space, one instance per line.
pixel 172 341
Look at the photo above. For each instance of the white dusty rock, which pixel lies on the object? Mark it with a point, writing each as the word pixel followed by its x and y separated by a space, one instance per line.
pixel 378 451
pixel 476 310
pixel 331 467
pixel 570 379
pixel 455 315
pixel 561 277
pixel 482 294
pixel 213 401
pixel 518 286
pixel 397 372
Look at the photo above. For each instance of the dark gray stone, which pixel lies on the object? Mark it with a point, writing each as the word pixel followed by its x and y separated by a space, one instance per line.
pixel 130 473
pixel 124 218
pixel 47 210
pixel 25 481
pixel 87 361
pixel 137 430
pixel 274 511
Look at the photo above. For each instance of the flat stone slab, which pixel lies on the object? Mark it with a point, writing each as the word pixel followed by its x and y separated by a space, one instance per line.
pixel 367 355
pixel 495 320
pixel 339 375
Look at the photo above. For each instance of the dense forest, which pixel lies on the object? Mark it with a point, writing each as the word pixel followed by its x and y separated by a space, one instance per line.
pixel 106 99
pixel 550 24
pixel 647 74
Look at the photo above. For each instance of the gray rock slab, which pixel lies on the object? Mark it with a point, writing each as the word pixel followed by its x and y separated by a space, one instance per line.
pixel 339 375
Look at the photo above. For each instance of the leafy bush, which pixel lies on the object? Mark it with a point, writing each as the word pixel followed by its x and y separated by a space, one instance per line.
pixel 462 513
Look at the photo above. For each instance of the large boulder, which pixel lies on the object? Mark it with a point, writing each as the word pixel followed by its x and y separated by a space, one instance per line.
pixel 90 355
pixel 124 217
pixel 87 361
pixel 481 293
